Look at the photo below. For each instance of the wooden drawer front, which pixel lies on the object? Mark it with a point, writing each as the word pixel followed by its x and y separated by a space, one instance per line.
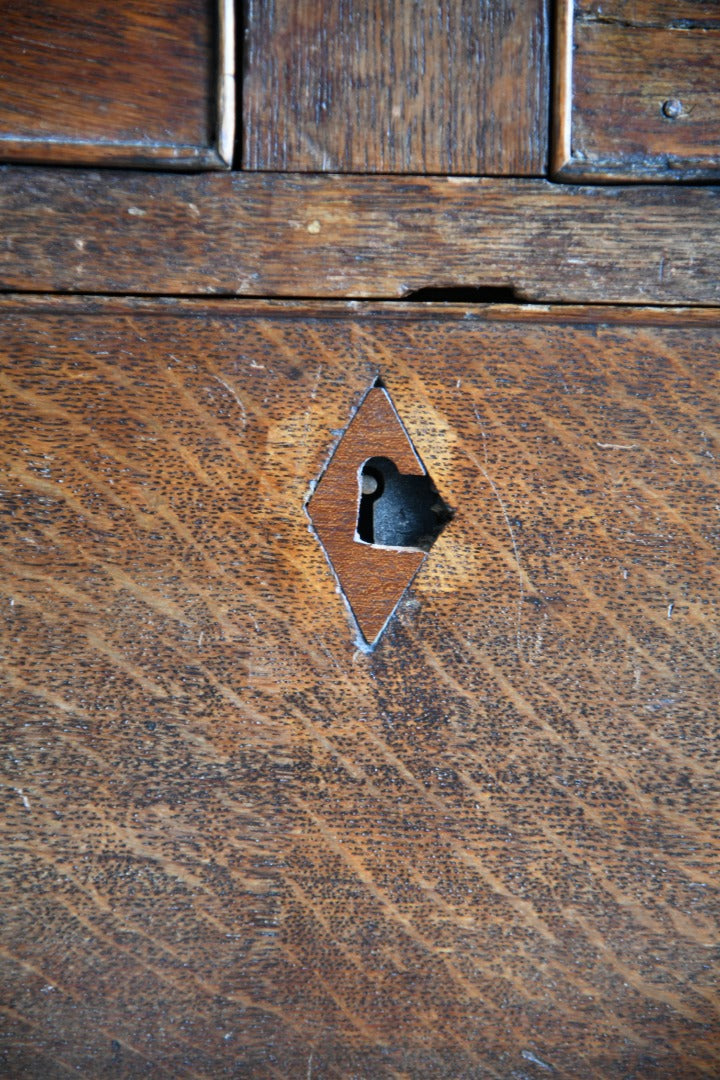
pixel 457 86
pixel 141 82
pixel 638 89
pixel 235 845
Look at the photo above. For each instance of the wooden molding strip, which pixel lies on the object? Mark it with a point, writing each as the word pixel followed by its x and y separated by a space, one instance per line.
pixel 116 154
pixel 285 235
pixel 561 127
pixel 226 83
pixel 396 311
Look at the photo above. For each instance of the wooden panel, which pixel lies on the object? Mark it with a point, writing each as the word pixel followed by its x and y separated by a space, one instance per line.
pixel 638 90
pixel 270 235
pixel 234 845
pixel 395 86
pixel 135 83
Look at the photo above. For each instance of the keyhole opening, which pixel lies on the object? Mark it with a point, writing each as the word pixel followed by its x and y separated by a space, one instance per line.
pixel 372 484
pixel 396 510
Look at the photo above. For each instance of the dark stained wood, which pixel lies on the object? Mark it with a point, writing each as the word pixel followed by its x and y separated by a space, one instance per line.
pixel 638 90
pixel 270 235
pixel 133 83
pixel 396 86
pixel 236 846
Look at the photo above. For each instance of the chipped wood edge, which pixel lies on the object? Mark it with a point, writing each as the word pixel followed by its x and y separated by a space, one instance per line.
pixel 561 127
pixel 226 83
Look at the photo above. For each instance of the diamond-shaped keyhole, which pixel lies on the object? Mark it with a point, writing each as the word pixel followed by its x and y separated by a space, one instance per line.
pixel 376 512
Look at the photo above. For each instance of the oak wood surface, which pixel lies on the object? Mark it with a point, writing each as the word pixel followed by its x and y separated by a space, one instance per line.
pixel 134 83
pixel 638 94
pixel 397 87
pixel 235 846
pixel 329 236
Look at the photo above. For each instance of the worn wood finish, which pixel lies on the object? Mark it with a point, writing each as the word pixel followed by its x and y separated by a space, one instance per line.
pixel 458 86
pixel 138 83
pixel 638 90
pixel 234 846
pixel 271 235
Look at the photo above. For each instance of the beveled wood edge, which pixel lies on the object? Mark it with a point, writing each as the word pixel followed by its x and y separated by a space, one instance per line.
pixel 561 120
pixel 568 169
pixel 378 310
pixel 226 90
pixel 14 150
pixel 49 151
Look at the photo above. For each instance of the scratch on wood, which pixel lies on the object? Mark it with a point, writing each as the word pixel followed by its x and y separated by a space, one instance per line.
pixel 237 399
pixel 529 1056
pixel 23 796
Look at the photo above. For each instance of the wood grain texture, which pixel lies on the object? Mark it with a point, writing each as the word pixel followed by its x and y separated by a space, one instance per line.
pixel 237 847
pixel 134 83
pixel 457 86
pixel 272 235
pixel 639 90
